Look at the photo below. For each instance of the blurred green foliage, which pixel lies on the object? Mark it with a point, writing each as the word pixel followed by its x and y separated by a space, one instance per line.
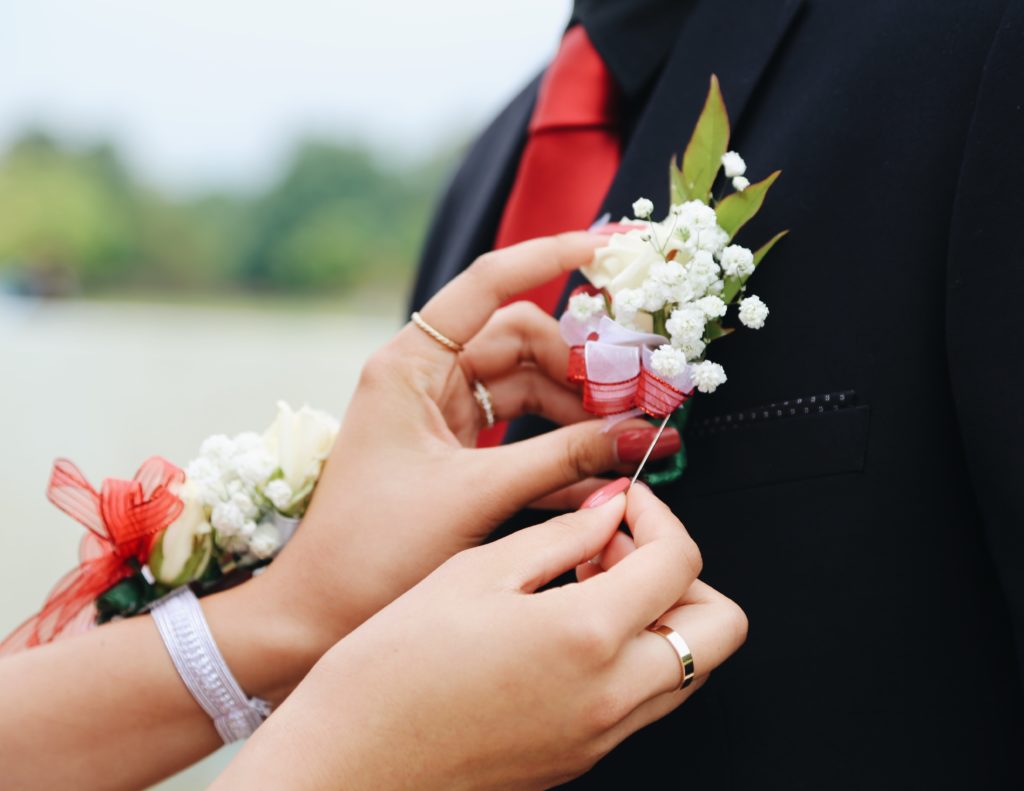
pixel 338 219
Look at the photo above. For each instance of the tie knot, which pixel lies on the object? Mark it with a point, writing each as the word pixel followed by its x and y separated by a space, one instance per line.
pixel 577 90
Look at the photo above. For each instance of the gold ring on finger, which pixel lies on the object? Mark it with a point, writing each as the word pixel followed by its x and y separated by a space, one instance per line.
pixel 437 335
pixel 682 651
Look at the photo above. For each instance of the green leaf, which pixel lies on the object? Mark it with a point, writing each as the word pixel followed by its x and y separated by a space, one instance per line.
pixel 675 181
pixel 732 287
pixel 737 209
pixel 762 251
pixel 659 319
pixel 710 140
pixel 124 598
pixel 714 330
pixel 213 572
pixel 300 500
pixel 734 284
pixel 195 567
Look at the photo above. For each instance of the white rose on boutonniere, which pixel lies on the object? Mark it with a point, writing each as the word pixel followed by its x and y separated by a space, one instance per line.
pixel 182 552
pixel 624 263
pixel 300 441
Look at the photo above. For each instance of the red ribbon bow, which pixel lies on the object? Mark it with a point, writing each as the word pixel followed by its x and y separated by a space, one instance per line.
pixel 123 519
pixel 645 391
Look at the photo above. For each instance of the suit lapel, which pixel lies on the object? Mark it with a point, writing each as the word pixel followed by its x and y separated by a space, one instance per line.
pixel 731 38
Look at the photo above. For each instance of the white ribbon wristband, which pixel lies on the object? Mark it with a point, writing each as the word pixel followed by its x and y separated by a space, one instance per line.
pixel 185 633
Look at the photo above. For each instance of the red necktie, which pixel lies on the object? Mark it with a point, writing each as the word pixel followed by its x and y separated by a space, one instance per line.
pixel 570 159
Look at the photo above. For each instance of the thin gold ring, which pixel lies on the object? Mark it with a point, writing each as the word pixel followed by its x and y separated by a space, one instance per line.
pixel 483 398
pixel 440 337
pixel 682 651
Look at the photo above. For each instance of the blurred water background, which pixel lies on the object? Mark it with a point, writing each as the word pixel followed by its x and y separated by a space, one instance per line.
pixel 206 207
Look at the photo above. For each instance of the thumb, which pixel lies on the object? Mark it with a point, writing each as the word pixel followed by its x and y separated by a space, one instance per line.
pixel 531 558
pixel 543 464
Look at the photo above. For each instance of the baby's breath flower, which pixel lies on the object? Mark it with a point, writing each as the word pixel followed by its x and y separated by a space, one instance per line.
pixel 693 348
pixel 643 208
pixel 671 273
pixel 686 324
pixel 202 470
pixel 737 261
pixel 583 306
pixel 753 312
pixel 279 493
pixel 709 376
pixel 697 214
pixel 228 518
pixel 255 465
pixel 702 271
pixel 206 477
pixel 733 164
pixel 713 307
pixel 246 504
pixel 705 262
pixel 682 293
pixel 237 544
pixel 218 449
pixel 656 294
pixel 628 302
pixel 712 239
pixel 740 183
pixel 668 361
pixel 265 541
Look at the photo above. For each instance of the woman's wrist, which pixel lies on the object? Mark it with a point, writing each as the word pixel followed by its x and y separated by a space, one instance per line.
pixel 323 730
pixel 268 645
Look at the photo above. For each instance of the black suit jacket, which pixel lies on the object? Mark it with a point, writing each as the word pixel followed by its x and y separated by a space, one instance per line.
pixel 858 485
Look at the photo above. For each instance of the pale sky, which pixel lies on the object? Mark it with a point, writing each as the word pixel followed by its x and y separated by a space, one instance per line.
pixel 201 92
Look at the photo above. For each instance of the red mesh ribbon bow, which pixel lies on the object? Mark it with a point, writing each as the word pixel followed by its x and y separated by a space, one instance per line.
pixel 122 518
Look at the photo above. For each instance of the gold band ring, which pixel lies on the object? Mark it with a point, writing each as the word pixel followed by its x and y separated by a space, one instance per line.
pixel 440 337
pixel 682 652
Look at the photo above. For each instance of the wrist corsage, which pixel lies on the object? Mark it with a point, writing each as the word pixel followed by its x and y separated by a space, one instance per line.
pixel 209 525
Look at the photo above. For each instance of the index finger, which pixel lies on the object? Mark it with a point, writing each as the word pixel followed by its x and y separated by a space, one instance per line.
pixel 652 579
pixel 461 308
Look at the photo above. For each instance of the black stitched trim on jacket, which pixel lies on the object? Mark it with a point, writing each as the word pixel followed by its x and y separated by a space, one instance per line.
pixel 793 407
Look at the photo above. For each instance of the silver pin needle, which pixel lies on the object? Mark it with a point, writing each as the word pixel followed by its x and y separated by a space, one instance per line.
pixel 649 449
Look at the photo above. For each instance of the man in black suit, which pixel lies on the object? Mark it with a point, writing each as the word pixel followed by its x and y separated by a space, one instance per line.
pixel 858 485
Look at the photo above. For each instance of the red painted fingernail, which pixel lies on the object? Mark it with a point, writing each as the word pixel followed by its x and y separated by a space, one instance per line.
pixel 632 445
pixel 606 493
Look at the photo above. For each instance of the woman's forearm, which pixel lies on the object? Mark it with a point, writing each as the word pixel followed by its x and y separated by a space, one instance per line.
pixel 107 709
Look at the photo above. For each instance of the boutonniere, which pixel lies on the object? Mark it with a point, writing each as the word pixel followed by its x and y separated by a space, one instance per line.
pixel 661 292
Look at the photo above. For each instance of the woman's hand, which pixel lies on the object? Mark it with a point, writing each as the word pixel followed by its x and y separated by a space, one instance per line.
pixel 474 679
pixel 405 488
pixel 403 491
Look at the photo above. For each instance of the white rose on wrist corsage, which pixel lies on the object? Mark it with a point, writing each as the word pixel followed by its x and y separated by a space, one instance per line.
pixel 183 551
pixel 299 441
